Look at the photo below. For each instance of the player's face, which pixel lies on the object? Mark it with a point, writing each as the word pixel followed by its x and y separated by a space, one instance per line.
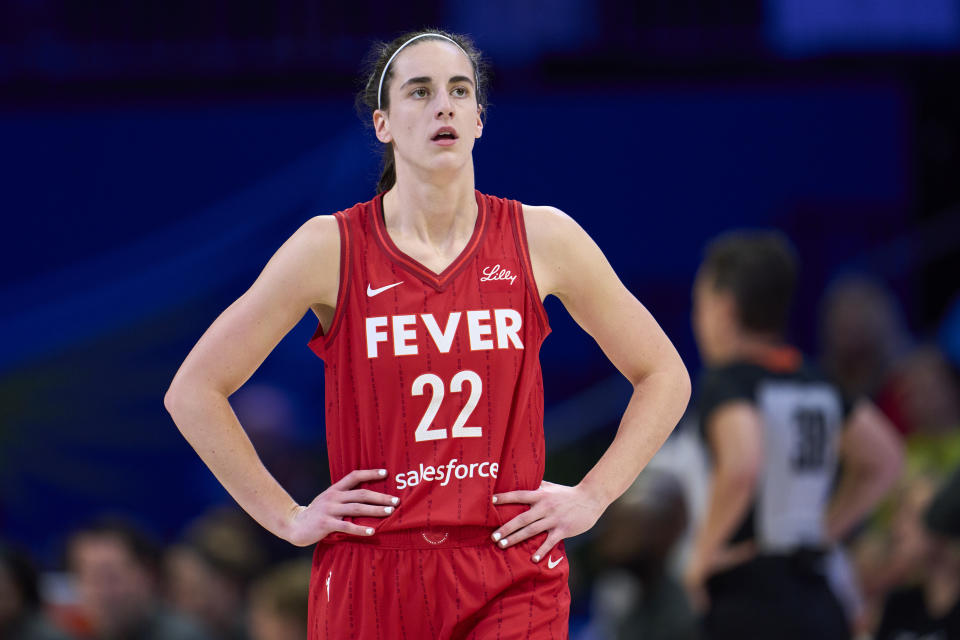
pixel 433 118
pixel 712 319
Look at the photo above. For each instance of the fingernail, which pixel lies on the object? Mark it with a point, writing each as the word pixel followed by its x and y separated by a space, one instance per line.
pixel 388 509
pixel 536 558
pixel 369 531
pixel 382 472
pixel 394 500
pixel 503 542
pixel 494 499
pixel 496 536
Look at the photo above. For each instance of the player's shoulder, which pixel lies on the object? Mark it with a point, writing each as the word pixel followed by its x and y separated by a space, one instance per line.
pixel 323 232
pixel 319 233
pixel 546 216
pixel 550 229
pixel 310 258
pixel 327 225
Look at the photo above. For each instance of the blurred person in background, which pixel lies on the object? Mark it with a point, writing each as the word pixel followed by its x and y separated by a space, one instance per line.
pixel 115 568
pixel 278 602
pixel 890 551
pixel 926 391
pixel 776 430
pixel 208 572
pixel 864 338
pixel 635 597
pixel 928 606
pixel 893 554
pixel 21 607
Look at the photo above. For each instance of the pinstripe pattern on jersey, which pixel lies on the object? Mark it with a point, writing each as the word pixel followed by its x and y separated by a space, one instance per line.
pixel 371 411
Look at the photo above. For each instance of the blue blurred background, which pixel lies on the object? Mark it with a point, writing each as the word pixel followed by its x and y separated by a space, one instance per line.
pixel 155 154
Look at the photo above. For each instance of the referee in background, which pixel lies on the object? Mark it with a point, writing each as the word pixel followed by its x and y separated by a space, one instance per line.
pixel 777 432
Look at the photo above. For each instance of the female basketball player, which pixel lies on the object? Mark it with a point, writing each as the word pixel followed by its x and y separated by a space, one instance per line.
pixel 429 300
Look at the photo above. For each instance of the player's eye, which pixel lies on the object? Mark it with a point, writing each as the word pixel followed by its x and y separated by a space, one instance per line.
pixel 461 92
pixel 419 92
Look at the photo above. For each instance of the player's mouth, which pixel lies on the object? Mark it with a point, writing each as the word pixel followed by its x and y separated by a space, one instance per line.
pixel 445 136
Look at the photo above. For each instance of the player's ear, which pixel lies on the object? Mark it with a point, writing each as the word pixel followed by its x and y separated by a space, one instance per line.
pixel 479 129
pixel 381 126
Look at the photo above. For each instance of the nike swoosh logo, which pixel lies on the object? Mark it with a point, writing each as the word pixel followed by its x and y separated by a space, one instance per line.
pixel 372 292
pixel 552 563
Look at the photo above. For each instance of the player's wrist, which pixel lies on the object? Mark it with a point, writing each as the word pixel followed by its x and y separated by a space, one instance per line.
pixel 289 524
pixel 595 493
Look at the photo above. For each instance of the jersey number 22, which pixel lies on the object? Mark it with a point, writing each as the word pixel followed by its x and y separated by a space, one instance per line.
pixel 459 428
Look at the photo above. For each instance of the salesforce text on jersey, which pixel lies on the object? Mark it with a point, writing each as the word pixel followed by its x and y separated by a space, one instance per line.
pixel 444 473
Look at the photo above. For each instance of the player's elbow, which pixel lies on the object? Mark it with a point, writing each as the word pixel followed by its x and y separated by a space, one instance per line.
pixel 683 385
pixel 171 398
pixel 178 394
pixel 674 376
pixel 679 384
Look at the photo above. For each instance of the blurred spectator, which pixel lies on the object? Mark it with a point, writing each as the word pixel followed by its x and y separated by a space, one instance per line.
pixel 21 609
pixel 863 337
pixel 929 607
pixel 635 597
pixel 926 391
pixel 115 567
pixel 209 571
pixel 889 557
pixel 279 602
pixel 892 553
pixel 943 515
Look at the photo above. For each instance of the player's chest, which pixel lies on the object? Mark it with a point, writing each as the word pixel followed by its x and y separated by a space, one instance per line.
pixel 480 309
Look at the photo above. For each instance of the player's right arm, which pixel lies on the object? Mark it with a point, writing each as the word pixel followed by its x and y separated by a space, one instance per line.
pixel 303 273
pixel 872 457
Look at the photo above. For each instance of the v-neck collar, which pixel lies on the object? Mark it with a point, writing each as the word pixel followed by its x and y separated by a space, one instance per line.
pixel 438 281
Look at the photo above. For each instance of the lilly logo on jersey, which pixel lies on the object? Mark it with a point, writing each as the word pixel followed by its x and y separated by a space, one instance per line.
pixel 496 272
pixel 445 472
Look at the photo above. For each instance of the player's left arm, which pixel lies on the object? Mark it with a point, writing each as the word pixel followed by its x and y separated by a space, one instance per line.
pixel 568 264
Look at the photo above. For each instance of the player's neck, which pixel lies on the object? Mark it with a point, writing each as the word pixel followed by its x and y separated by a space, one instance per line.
pixel 437 212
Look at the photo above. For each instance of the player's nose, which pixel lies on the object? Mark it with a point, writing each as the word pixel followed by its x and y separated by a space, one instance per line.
pixel 444 105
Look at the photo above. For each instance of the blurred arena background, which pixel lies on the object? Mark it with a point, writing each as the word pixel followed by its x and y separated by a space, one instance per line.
pixel 155 154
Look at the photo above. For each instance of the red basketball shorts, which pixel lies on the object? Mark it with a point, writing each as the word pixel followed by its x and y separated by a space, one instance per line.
pixel 435 583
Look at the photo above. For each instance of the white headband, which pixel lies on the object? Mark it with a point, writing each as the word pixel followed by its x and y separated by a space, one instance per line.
pixel 422 35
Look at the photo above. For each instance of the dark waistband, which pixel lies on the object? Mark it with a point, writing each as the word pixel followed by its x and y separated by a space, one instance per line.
pixel 425 538
pixel 803 562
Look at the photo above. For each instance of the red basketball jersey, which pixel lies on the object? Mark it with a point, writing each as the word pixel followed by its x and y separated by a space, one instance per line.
pixel 436 377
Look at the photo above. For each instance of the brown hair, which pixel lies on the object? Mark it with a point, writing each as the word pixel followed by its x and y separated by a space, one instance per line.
pixel 760 269
pixel 366 100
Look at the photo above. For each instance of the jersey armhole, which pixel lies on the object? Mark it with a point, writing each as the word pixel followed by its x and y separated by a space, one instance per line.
pixel 520 235
pixel 321 341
